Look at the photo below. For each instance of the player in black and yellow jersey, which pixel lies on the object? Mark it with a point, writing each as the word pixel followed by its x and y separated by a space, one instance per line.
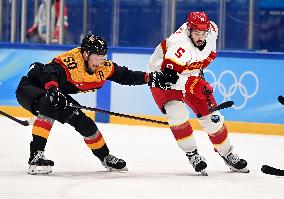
pixel 45 90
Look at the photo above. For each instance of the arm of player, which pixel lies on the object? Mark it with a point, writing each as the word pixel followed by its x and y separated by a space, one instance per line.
pixel 44 74
pixel 161 79
pixel 124 76
pixel 50 75
pixel 47 75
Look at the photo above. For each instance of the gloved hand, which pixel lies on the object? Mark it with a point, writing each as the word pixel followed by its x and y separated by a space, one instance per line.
pixel 56 97
pixel 198 87
pixel 163 79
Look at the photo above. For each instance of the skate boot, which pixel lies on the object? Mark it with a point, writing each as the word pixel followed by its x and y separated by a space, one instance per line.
pixel 235 163
pixel 112 163
pixel 197 162
pixel 38 164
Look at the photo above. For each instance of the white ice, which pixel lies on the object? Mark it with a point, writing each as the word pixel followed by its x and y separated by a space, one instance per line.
pixel 158 169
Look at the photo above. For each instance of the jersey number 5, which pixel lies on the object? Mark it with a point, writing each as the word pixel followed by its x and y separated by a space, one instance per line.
pixel 179 52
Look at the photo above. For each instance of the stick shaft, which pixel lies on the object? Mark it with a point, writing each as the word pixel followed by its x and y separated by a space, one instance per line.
pixel 22 122
pixel 117 114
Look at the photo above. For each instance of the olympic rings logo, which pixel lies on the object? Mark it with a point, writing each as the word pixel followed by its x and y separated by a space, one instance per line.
pixel 237 85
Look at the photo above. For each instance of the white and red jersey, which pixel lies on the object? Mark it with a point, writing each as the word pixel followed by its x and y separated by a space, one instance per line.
pixel 179 53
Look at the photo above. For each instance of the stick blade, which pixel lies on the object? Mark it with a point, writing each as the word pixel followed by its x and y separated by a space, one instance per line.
pixel 281 99
pixel 223 105
pixel 22 122
pixel 272 171
pixel 229 104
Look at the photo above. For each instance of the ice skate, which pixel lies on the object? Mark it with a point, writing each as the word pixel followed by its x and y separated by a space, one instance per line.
pixel 112 163
pixel 235 163
pixel 197 162
pixel 38 164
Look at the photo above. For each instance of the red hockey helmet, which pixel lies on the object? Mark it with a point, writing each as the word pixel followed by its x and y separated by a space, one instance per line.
pixel 198 21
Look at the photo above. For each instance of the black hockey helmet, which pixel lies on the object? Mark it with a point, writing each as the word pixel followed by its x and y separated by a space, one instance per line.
pixel 94 44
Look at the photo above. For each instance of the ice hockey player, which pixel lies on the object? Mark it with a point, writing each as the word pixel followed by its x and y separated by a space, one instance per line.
pixel 187 51
pixel 45 90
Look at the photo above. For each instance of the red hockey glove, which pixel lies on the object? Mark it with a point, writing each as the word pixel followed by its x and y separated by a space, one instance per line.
pixel 198 87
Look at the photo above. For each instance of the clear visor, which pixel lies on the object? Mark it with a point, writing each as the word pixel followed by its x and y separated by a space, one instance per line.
pixel 198 32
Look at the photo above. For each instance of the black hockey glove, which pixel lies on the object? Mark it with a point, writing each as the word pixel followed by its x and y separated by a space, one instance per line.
pixel 163 79
pixel 56 97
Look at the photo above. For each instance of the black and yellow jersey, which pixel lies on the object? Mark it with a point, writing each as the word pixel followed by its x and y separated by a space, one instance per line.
pixel 74 65
pixel 68 70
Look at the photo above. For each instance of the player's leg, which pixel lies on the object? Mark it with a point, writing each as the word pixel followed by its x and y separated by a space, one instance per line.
pixel 38 164
pixel 219 137
pixel 28 96
pixel 92 137
pixel 213 124
pixel 178 119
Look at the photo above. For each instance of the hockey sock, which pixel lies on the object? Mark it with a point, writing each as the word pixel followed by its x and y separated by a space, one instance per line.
pixel 40 132
pixel 97 144
pixel 221 141
pixel 184 137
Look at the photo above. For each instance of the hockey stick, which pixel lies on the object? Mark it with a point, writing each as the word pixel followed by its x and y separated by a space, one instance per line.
pixel 30 121
pixel 272 171
pixel 117 114
pixel 22 122
pixel 281 99
pixel 221 106
pixel 211 108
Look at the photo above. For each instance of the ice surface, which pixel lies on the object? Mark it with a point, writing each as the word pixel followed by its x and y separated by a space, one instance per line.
pixel 158 169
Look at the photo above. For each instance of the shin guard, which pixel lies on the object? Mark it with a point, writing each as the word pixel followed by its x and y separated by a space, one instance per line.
pixel 97 144
pixel 40 131
pixel 221 141
pixel 184 136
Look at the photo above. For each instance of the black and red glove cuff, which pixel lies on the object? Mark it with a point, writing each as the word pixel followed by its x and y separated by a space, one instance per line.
pixel 49 84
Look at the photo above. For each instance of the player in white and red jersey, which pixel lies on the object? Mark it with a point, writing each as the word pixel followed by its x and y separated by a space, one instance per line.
pixel 186 52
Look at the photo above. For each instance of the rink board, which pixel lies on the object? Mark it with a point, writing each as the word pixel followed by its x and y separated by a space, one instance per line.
pixel 252 80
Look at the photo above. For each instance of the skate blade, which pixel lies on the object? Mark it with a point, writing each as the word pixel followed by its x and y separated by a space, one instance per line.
pixel 244 170
pixel 204 172
pixel 110 169
pixel 39 170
